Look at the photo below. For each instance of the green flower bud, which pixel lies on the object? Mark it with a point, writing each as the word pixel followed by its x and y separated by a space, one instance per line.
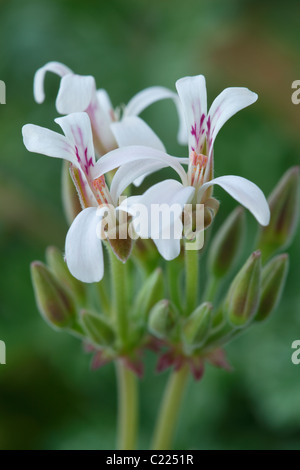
pixel 243 296
pixel 54 302
pixel 226 244
pixel 97 328
pixel 162 319
pixel 273 280
pixel 284 206
pixel 57 264
pixel 70 199
pixel 197 325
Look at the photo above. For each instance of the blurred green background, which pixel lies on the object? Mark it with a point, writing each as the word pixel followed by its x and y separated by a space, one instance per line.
pixel 49 398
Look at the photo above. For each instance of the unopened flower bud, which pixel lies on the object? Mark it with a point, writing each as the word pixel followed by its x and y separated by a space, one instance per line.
pixel 197 325
pixel 243 296
pixel 97 328
pixel 226 244
pixel 54 302
pixel 57 263
pixel 284 206
pixel 272 282
pixel 162 319
pixel 150 293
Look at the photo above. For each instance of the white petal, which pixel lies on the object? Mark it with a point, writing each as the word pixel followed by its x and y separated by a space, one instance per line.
pixel 169 249
pixel 75 93
pixel 150 95
pixel 128 203
pixel 38 83
pixel 132 130
pixel 41 140
pixel 131 172
pixel 192 94
pixel 77 129
pixel 228 103
pixel 84 254
pixel 135 153
pixel 245 192
pixel 138 181
pixel 101 116
pixel 173 195
pixel 105 103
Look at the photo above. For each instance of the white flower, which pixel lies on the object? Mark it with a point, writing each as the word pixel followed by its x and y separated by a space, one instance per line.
pixel 78 93
pixel 83 249
pixel 197 183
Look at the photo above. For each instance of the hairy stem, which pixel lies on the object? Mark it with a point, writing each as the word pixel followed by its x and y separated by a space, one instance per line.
pixel 191 279
pixel 167 419
pixel 119 297
pixel 127 407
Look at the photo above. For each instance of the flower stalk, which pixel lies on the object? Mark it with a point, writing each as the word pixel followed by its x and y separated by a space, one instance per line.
pixel 127 407
pixel 168 415
pixel 191 278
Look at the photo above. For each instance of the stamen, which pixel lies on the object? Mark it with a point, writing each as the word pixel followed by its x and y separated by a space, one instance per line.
pixel 196 168
pixel 101 191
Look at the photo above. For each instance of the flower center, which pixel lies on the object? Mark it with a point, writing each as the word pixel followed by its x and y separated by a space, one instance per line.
pixel 197 168
pixel 101 191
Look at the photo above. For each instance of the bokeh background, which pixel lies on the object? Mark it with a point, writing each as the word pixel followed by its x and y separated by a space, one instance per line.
pixel 49 398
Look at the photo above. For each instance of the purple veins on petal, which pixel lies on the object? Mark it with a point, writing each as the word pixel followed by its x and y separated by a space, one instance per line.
pixel 202 120
pixel 194 132
pixel 208 125
pixel 88 161
pixel 77 154
pixel 208 132
pixel 198 132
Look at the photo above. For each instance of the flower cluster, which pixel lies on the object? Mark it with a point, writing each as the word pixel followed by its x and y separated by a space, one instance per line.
pixel 108 150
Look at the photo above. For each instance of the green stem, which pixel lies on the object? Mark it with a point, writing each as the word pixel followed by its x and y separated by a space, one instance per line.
pixel 104 299
pixel 173 283
pixel 191 279
pixel 165 427
pixel 128 410
pixel 211 289
pixel 127 382
pixel 119 296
